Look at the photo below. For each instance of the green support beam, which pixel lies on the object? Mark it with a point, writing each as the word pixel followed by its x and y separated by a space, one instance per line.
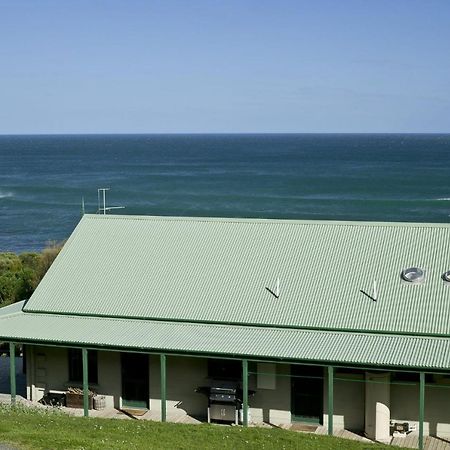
pixel 12 371
pixel 245 393
pixel 421 408
pixel 330 399
pixel 163 388
pixel 84 354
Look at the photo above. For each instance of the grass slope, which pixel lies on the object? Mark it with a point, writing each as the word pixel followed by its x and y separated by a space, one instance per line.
pixel 30 428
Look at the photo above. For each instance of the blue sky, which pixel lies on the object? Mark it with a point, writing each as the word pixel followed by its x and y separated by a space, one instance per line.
pixel 224 66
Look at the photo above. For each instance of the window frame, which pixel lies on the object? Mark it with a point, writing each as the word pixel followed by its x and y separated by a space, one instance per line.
pixel 75 366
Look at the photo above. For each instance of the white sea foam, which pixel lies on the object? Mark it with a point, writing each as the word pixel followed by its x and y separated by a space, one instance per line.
pixel 5 194
pixel 444 199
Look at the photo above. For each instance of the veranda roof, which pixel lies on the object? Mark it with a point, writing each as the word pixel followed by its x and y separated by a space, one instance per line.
pixel 326 347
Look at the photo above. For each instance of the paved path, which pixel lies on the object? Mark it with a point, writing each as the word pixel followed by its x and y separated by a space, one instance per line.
pixel 412 441
pixel 345 434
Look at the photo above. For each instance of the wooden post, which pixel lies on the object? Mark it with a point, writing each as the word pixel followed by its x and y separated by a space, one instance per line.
pixel 12 371
pixel 245 393
pixel 84 354
pixel 163 388
pixel 421 408
pixel 330 399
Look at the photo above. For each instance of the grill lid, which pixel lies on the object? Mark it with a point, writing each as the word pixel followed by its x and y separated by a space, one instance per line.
pixel 223 390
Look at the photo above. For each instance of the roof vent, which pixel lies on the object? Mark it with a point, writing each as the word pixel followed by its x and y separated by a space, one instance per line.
pixel 413 275
pixel 446 276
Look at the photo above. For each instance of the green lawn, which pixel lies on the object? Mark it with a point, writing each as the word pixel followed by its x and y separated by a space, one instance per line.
pixel 29 428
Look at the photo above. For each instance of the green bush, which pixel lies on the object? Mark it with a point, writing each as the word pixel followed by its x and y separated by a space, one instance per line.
pixel 48 255
pixel 10 287
pixel 21 274
pixel 9 262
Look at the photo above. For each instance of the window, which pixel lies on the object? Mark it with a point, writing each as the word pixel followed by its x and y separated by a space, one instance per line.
pixel 410 377
pixel 76 366
pixel 404 377
pixel 225 369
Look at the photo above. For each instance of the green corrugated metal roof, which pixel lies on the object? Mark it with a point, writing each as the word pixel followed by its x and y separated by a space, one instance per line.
pixel 240 341
pixel 13 308
pixel 217 270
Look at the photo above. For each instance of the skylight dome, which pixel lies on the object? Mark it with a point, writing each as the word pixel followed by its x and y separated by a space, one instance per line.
pixel 446 276
pixel 414 275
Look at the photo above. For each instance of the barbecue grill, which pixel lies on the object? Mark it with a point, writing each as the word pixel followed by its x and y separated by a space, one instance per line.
pixel 224 402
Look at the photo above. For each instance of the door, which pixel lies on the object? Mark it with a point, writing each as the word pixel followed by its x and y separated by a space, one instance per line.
pixel 135 390
pixel 307 394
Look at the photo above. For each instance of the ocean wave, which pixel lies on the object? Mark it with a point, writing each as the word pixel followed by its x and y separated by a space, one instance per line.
pixel 5 194
pixel 443 199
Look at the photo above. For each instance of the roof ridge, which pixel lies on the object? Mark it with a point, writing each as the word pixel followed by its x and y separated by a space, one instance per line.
pixel 262 220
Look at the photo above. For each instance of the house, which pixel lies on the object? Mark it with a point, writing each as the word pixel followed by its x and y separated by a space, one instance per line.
pixel 340 323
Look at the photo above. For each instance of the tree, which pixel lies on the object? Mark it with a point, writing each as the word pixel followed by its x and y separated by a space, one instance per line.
pixel 10 287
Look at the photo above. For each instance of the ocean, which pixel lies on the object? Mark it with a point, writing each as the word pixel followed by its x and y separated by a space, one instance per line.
pixel 396 177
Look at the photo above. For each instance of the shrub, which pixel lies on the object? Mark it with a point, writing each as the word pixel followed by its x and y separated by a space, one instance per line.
pixel 10 287
pixel 21 274
pixel 9 262
pixel 49 254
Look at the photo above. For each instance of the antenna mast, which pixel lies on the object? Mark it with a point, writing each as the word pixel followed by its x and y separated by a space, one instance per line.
pixel 101 193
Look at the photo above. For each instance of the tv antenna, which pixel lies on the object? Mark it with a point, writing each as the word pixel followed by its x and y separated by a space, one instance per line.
pixel 101 195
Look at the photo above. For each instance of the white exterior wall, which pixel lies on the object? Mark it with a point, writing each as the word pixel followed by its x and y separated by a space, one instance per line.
pixel 354 400
pixel 273 404
pixel 378 401
pixel 183 376
pixel 402 400
pixel 405 408
pixel 48 370
pixel 109 378
pixel 349 401
pixel 30 372
pixel 154 402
